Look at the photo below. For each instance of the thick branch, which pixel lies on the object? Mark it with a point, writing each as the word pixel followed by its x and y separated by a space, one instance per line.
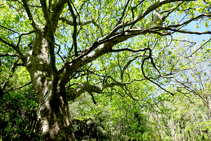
pixel 30 17
pixel 105 45
pixel 46 14
pixel 88 56
pixel 51 35
pixel 77 23
pixel 151 8
pixel 57 7
pixel 8 54
pixel 87 87
pixel 75 28
pixel 75 93
pixel 82 23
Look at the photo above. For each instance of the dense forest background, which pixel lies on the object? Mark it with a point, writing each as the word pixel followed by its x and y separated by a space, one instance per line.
pixel 125 75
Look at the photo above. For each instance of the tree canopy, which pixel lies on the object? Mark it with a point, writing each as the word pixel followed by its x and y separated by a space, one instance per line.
pixel 129 53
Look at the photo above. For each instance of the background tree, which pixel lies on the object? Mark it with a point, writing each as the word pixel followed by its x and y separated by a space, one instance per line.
pixel 72 47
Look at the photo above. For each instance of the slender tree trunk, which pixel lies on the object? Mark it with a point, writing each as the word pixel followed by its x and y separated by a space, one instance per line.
pixel 53 112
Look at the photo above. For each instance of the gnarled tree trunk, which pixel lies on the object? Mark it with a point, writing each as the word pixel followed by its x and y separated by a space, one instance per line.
pixel 55 119
pixel 53 112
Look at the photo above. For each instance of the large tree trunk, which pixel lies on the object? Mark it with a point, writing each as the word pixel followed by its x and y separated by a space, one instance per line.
pixel 53 112
pixel 55 119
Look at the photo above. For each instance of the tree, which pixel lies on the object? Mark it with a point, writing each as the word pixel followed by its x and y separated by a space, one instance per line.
pixel 66 45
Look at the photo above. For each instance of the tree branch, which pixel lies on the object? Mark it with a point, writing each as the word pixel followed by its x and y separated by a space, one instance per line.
pixel 30 17
pixel 59 53
pixel 74 35
pixel 8 54
pixel 151 8
pixel 9 29
pixel 136 7
pixel 128 49
pixel 77 23
pixel 123 13
pixel 199 48
pixel 57 7
pixel 18 87
pixel 12 69
pixel 189 32
pixel 142 69
pixel 82 23
pixel 20 34
pixel 51 35
pixel 188 21
pixel 126 65
pixel 98 26
pixel 46 14
pixel 93 99
pixel 87 87
pixel 15 48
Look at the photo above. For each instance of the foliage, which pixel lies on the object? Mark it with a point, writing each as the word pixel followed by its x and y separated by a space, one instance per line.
pixel 18 116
